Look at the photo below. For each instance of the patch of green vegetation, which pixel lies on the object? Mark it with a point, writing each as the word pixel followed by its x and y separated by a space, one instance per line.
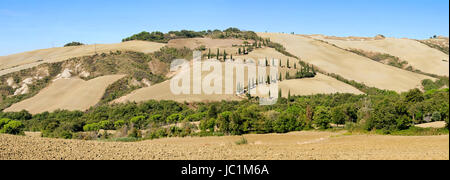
pixel 118 89
pixel 241 141
pixel 73 44
pixel 9 126
pixel 390 60
pixel 168 54
pixel 360 86
pixel 218 34
pixel 430 85
pixel 435 46
pixel 280 48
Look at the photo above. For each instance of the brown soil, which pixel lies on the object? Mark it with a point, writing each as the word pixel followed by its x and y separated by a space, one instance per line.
pixel 296 145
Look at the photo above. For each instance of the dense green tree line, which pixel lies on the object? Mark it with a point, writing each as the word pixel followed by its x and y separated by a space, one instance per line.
pixel 157 36
pixel 385 112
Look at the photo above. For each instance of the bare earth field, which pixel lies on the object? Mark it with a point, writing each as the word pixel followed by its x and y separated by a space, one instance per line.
pixel 296 145
pixel 69 94
pixel 17 62
pixel 350 66
pixel 418 55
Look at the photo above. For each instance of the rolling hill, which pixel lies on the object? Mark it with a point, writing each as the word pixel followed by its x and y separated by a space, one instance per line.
pixel 68 94
pixel 349 65
pixel 418 55
pixel 25 60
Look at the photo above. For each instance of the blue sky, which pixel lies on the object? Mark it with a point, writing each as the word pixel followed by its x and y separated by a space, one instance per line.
pixel 36 24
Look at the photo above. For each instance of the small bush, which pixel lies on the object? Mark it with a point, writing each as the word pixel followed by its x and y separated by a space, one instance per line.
pixel 436 116
pixel 119 124
pixel 91 127
pixel 242 141
pixel 3 122
pixel 13 127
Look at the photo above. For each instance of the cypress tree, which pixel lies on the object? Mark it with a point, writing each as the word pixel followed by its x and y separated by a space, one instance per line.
pixel 217 56
pixel 224 55
pixel 279 94
pixel 268 79
pixel 239 51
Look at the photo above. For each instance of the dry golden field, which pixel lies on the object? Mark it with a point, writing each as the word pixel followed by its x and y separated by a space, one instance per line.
pixel 417 55
pixel 25 60
pixel 349 65
pixel 69 94
pixel 307 145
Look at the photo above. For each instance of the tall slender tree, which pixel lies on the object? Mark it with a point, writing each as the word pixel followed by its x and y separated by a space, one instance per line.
pixel 279 94
pixel 289 94
pixel 217 55
pixel 209 53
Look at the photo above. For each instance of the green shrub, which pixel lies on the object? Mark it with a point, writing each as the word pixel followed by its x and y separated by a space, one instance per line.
pixel 242 141
pixel 175 118
pixel 436 116
pixel 13 127
pixel 3 122
pixel 322 117
pixel 138 121
pixel 119 124
pixel 66 135
pixel 91 127
pixel 106 125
